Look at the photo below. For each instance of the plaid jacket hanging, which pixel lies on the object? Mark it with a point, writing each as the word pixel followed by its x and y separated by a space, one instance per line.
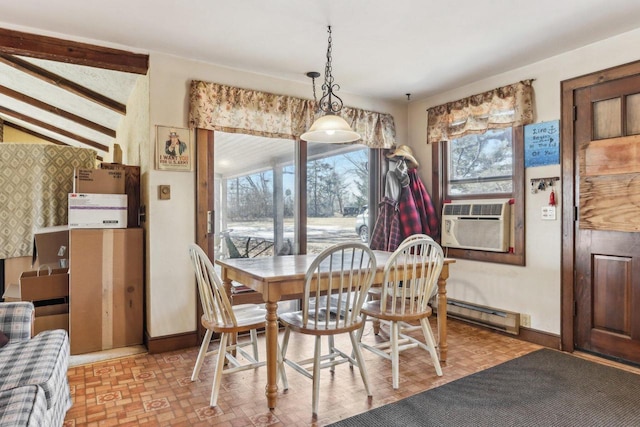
pixel 386 234
pixel 417 213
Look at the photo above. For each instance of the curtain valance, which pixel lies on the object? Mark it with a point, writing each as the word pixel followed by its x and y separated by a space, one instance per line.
pixel 231 109
pixel 503 107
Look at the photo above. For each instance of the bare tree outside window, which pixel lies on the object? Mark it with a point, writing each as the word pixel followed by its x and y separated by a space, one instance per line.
pixel 481 163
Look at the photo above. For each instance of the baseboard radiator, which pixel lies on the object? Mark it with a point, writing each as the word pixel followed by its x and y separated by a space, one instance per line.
pixel 506 321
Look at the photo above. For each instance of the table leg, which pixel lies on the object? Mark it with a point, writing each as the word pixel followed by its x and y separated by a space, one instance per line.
pixel 442 318
pixel 271 390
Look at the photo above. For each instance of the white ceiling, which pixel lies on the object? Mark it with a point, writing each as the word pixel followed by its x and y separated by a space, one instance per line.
pixel 381 49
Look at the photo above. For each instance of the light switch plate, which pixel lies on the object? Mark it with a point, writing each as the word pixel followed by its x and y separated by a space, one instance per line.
pixel 549 213
pixel 164 192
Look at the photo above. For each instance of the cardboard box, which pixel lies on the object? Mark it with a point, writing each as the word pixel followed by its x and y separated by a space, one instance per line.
pixel 97 210
pixel 55 316
pixel 106 304
pixel 12 293
pixel 13 268
pixel 99 181
pixel 131 188
pixel 44 284
pixel 51 246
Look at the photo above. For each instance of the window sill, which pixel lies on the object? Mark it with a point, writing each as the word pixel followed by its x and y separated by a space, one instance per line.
pixel 484 256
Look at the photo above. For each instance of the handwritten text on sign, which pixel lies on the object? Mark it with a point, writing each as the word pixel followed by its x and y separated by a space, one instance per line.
pixel 542 144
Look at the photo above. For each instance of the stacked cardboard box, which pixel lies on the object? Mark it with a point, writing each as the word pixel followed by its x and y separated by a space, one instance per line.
pixel 47 286
pixel 98 200
pixel 132 190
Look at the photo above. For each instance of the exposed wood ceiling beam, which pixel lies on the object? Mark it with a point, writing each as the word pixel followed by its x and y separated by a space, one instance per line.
pixel 55 110
pixel 35 122
pixel 34 133
pixel 62 83
pixel 50 48
pixel 39 135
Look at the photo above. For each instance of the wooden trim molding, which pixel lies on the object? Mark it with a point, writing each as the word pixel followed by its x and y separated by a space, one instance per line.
pixel 171 342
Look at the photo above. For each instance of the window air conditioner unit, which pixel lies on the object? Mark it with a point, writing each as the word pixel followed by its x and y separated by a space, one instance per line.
pixel 476 225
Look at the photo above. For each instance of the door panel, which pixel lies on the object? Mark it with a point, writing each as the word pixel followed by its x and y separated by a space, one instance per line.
pixel 607 233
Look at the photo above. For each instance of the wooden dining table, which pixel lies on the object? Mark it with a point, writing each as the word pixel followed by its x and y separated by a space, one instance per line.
pixel 282 277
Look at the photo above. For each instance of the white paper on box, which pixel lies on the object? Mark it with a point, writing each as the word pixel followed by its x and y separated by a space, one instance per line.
pixel 97 210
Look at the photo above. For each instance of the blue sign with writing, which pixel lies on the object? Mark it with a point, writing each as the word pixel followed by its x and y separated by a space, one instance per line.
pixel 542 144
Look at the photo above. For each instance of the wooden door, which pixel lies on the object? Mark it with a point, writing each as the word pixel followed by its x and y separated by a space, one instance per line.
pixel 607 225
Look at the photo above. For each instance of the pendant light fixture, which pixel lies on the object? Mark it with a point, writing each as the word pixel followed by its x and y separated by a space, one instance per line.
pixel 329 128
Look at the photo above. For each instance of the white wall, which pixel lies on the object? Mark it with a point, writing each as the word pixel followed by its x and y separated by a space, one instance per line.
pixel 534 289
pixel 171 292
pixel 133 130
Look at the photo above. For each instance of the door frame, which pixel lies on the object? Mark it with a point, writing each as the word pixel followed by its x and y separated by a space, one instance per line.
pixel 569 207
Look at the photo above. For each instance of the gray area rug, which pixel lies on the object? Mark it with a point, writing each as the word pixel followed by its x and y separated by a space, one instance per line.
pixel 543 388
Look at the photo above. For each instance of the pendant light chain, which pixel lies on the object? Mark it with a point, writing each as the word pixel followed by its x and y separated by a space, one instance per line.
pixel 330 127
pixel 330 103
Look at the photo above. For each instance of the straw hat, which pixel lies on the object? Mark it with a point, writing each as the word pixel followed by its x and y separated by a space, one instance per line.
pixel 404 151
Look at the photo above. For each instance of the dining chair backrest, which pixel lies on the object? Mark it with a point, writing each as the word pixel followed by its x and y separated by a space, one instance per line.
pixel 416 237
pixel 216 306
pixel 336 285
pixel 410 276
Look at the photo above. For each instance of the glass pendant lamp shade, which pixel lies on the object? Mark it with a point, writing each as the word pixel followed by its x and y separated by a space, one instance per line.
pixel 330 129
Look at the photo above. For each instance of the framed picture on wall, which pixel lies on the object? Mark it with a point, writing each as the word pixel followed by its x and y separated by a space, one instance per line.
pixel 174 148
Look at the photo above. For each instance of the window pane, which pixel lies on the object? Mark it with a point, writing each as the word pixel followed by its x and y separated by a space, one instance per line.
pixel 337 194
pixel 254 195
pixel 481 163
pixel 633 114
pixel 606 119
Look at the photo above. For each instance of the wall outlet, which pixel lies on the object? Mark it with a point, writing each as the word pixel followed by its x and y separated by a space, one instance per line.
pixel 548 213
pixel 525 320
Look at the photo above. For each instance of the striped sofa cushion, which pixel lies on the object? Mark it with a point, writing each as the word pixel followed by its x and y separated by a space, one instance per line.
pixel 23 406
pixel 42 361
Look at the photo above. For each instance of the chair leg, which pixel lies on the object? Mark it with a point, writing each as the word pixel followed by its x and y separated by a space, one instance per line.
pixel 332 346
pixel 395 359
pixel 201 354
pixel 217 377
pixel 254 343
pixel 316 375
pixel 360 332
pixel 363 369
pixel 283 374
pixel 431 343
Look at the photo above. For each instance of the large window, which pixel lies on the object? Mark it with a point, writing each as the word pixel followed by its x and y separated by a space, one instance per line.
pixel 480 164
pixel 256 195
pixel 337 194
pixel 466 169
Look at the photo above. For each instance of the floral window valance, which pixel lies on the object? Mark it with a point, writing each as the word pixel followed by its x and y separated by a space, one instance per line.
pixel 503 107
pixel 231 109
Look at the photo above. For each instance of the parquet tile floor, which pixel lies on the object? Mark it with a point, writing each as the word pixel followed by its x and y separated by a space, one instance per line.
pixel 156 390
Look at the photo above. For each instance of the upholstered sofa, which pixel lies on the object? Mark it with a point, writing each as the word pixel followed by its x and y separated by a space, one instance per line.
pixel 34 390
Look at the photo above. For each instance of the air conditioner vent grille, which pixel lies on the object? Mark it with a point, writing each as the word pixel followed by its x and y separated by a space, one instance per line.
pixel 487 209
pixel 483 226
pixel 457 209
